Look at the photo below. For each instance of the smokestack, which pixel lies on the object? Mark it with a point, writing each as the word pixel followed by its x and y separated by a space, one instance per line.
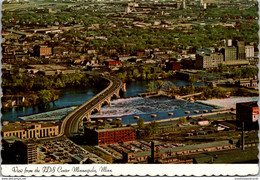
pixel 152 152
pixel 243 137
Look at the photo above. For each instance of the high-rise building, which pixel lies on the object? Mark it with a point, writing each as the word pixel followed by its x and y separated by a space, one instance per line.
pixel 31 152
pixel 19 151
pixel 241 53
pixel 230 53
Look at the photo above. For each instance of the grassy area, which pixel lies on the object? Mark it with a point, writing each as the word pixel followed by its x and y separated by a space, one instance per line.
pixel 229 156
pixel 238 91
pixel 219 117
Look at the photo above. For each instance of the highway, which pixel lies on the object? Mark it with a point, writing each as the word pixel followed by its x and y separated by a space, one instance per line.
pixel 71 121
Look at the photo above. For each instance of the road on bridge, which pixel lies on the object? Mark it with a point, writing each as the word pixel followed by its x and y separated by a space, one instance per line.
pixel 71 122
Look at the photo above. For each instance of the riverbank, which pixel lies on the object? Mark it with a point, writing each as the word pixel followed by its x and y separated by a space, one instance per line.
pixel 216 112
pixel 226 102
pixel 43 89
pixel 29 98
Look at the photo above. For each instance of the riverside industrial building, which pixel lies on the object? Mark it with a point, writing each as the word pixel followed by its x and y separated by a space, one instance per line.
pixel 29 130
pixel 108 136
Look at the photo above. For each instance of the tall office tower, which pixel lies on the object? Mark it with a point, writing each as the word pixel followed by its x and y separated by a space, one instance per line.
pixel 241 51
pixel 230 53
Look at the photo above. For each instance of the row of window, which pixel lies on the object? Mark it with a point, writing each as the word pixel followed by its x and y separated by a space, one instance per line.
pixel 43 133
pixel 115 133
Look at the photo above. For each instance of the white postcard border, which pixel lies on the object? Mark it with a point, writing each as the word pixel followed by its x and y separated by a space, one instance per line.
pixel 131 170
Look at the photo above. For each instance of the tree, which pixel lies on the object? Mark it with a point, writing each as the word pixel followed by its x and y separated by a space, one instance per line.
pixel 155 85
pixel 116 122
pixel 192 80
pixel 222 68
pixel 140 123
pixel 47 96
pixel 182 120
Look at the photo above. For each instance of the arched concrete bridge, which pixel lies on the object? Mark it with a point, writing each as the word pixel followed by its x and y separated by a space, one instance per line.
pixel 74 120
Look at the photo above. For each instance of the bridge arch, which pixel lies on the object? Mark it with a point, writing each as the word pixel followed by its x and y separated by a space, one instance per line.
pixel 106 102
pixel 95 110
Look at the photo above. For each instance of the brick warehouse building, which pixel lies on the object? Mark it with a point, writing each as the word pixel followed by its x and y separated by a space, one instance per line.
pixel 109 136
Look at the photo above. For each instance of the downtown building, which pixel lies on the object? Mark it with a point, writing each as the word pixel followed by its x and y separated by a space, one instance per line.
pixel 208 60
pixel 17 151
pixel 234 53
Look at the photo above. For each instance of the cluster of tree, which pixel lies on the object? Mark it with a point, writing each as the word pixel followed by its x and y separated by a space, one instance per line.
pixel 184 90
pixel 23 83
pixel 159 85
pixel 245 92
pixel 232 13
pixel 47 96
pixel 143 72
pixel 182 120
pixel 207 92
pixel 132 40
pixel 155 85
pixel 244 72
pixel 31 18
pixel 149 129
pixel 214 93
pixel 117 122
pixel 42 88
pixel 42 96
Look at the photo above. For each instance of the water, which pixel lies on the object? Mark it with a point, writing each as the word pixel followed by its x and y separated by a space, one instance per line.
pixel 137 87
pixel 68 97
pixel 77 96
pixel 144 107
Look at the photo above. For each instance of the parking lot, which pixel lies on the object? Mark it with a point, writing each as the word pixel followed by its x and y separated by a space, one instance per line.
pixel 62 151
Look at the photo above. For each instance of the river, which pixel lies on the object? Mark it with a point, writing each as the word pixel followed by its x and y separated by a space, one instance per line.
pixel 127 107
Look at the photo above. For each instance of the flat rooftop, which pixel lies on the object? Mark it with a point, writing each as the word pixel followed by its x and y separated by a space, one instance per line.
pixel 22 126
pixel 249 104
pixel 183 148
pixel 114 129
pixel 47 67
